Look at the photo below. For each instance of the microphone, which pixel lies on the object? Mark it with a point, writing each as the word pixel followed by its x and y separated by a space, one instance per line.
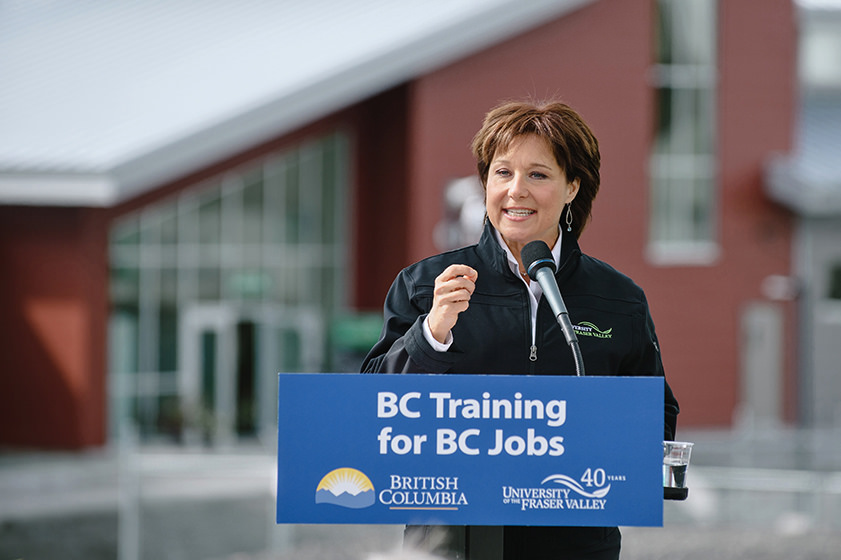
pixel 540 265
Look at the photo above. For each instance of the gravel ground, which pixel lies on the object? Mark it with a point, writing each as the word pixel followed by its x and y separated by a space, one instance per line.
pixel 687 543
pixel 785 504
pixel 236 530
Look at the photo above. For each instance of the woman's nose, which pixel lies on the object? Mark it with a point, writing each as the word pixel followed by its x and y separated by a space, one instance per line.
pixel 517 188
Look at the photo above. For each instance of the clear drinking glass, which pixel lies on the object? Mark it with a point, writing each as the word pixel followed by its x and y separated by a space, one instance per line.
pixel 675 463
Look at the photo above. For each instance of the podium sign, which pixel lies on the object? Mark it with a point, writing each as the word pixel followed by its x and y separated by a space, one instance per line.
pixel 470 450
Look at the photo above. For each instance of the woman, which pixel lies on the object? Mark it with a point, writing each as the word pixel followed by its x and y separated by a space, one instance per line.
pixel 475 310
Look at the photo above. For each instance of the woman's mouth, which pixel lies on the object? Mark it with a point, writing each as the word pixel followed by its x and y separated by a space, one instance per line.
pixel 518 212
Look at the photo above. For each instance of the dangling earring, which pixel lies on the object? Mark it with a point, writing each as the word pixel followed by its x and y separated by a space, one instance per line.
pixel 569 217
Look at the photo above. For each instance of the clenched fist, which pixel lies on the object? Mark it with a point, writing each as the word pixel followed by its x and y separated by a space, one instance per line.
pixel 451 296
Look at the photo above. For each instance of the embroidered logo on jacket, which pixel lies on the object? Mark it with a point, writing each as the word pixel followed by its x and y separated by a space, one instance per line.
pixel 586 328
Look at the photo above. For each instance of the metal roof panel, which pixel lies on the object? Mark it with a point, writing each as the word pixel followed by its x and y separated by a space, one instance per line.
pixel 133 93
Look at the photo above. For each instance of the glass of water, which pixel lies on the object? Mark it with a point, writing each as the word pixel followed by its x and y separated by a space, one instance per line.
pixel 675 463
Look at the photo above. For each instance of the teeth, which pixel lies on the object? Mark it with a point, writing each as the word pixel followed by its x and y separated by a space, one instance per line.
pixel 519 212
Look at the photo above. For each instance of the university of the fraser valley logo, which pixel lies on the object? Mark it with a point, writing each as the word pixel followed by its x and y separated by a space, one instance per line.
pixel 586 328
pixel 564 492
pixel 346 487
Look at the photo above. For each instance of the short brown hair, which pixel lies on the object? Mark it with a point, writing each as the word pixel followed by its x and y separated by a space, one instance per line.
pixel 575 146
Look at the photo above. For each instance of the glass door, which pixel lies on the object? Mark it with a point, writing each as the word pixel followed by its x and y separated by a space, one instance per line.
pixel 230 357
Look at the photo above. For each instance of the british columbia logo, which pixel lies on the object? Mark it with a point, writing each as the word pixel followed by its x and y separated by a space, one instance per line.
pixel 346 487
pixel 586 328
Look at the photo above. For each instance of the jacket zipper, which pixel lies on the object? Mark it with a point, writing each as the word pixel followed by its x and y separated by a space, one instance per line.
pixel 533 324
pixel 533 349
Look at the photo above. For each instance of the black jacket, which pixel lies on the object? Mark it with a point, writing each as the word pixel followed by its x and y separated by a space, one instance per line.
pixel 494 336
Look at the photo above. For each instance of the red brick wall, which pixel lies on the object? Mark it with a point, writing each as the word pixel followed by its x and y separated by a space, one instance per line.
pixel 53 327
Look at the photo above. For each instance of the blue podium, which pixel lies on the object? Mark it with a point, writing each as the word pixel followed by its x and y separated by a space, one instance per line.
pixel 470 450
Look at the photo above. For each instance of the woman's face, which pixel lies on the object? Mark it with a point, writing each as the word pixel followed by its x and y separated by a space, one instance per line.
pixel 526 193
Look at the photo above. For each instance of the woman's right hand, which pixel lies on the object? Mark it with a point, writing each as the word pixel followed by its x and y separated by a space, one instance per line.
pixel 451 296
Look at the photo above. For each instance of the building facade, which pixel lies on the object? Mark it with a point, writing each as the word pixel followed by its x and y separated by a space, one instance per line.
pixel 171 309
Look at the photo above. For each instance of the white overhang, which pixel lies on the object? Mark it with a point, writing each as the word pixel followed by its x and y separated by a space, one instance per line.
pixel 808 181
pixel 103 101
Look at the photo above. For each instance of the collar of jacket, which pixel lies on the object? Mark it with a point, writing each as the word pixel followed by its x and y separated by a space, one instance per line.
pixel 490 251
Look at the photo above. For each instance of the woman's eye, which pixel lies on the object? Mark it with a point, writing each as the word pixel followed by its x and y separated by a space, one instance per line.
pixel 502 172
pixel 538 175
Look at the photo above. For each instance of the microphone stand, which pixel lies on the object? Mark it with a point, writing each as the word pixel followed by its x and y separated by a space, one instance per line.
pixel 576 353
pixel 556 302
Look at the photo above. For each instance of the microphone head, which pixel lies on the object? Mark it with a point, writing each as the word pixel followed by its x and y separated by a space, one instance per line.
pixel 536 255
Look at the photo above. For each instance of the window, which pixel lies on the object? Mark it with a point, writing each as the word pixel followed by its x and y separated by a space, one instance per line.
pixel 834 290
pixel 219 288
pixel 682 167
